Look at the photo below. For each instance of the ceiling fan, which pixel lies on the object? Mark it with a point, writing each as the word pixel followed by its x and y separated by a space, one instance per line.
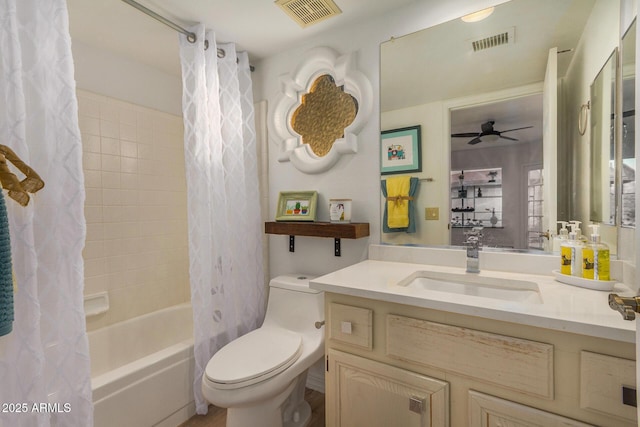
pixel 487 130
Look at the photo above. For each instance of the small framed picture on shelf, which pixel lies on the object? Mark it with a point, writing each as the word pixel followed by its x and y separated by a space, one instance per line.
pixel 400 150
pixel 297 206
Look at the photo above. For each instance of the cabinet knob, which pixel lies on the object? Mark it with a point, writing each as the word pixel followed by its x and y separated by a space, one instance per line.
pixel 416 404
pixel 345 327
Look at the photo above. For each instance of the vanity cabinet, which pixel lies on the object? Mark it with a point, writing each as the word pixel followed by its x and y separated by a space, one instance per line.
pixel 385 360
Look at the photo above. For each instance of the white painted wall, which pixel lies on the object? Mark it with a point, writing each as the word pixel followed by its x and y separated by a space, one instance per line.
pixel 354 176
pixel 100 71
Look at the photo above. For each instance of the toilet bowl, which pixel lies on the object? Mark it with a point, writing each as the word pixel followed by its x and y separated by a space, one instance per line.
pixel 260 377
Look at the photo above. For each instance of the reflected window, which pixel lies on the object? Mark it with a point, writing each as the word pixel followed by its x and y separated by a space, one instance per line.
pixel 629 192
pixel 534 209
pixel 628 178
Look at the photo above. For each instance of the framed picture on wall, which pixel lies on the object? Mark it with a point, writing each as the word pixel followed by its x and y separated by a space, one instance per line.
pixel 297 206
pixel 400 150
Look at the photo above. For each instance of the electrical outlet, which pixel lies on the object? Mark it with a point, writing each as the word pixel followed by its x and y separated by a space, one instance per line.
pixel 431 213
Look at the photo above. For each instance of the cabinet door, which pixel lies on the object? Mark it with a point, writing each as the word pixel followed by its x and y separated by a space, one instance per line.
pixel 362 392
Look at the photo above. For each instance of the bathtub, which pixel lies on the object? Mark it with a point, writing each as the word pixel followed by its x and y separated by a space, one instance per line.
pixel 142 370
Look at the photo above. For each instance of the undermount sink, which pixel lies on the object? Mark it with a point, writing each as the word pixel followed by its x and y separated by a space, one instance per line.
pixel 475 285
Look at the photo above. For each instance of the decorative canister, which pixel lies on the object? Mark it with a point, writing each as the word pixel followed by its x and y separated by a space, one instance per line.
pixel 340 210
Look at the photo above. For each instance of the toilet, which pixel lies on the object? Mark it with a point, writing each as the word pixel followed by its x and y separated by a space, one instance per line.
pixel 260 377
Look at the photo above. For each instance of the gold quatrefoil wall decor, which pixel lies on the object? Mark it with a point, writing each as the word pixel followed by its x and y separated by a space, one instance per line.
pixel 324 114
pixel 321 109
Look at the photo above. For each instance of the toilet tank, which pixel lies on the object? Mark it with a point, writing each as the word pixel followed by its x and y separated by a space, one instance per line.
pixel 292 304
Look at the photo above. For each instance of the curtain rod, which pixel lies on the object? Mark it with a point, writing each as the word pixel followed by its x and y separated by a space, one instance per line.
pixel 191 37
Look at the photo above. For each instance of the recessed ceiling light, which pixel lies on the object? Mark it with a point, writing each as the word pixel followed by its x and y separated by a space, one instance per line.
pixel 479 15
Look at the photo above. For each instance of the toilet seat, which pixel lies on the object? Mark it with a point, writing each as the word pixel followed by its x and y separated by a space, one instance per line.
pixel 254 357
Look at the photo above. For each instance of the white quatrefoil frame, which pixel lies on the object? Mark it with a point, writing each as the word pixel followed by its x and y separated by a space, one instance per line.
pixel 317 62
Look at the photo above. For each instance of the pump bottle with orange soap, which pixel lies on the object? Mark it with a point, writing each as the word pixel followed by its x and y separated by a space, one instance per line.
pixel 595 257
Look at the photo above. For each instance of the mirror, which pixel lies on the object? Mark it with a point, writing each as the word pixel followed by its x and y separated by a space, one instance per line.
pixel 470 70
pixel 602 145
pixel 628 175
pixel 324 112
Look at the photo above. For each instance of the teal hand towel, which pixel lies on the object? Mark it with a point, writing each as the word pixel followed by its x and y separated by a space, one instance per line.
pixel 6 274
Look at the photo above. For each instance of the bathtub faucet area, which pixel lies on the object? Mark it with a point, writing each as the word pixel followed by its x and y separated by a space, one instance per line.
pixel 473 243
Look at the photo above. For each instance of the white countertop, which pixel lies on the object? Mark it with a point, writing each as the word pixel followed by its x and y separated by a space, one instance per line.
pixel 564 307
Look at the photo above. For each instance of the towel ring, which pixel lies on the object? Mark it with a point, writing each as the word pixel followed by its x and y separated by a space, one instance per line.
pixel 584 108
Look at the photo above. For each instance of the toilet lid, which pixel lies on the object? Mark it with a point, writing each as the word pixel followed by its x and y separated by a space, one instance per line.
pixel 254 357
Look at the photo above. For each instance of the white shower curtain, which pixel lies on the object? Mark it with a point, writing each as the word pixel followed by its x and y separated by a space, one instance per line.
pixel 44 362
pixel 225 231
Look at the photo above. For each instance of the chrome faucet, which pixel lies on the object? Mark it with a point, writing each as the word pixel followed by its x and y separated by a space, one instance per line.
pixel 473 243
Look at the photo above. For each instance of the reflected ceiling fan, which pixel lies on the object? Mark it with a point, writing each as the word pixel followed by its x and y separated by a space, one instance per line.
pixel 487 130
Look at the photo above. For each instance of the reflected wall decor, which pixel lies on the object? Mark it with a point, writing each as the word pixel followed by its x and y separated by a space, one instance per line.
pixel 400 150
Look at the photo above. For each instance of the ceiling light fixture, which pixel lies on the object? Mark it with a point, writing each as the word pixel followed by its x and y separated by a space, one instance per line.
pixel 489 138
pixel 479 15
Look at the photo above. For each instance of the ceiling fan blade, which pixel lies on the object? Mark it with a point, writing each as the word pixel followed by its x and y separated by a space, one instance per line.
pixel 511 130
pixel 506 137
pixel 464 135
pixel 474 141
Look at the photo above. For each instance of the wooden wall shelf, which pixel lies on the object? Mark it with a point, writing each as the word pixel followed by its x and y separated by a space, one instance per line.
pixel 353 230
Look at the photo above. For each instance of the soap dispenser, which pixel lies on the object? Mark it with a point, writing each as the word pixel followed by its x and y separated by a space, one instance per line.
pixel 561 237
pixel 570 255
pixel 595 256
pixel 576 228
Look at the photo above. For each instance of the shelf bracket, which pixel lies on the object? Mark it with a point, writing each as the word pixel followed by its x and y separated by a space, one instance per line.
pixel 292 243
pixel 336 247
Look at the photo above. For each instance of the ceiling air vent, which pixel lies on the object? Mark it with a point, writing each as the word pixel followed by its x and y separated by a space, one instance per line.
pixel 308 12
pixel 502 38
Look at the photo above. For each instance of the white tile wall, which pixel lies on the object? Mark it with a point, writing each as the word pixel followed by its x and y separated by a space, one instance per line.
pixel 136 207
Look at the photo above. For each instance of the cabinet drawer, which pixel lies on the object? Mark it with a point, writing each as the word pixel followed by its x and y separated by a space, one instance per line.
pixel 517 364
pixel 601 381
pixel 485 410
pixel 351 325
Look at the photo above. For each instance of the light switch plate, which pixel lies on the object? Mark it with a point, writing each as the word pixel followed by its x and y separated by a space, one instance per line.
pixel 431 213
